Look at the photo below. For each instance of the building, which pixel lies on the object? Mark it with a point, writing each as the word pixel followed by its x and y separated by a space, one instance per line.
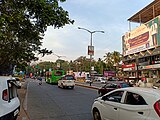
pixel 141 46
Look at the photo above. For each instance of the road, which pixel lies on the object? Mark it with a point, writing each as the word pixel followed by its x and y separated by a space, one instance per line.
pixel 48 102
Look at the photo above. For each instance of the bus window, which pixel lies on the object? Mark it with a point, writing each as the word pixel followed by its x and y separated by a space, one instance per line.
pixel 58 73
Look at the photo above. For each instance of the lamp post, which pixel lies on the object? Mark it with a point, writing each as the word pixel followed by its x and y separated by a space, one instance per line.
pixel 91 47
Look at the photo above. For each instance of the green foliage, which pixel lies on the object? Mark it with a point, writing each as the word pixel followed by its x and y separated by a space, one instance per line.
pixel 22 27
pixel 112 59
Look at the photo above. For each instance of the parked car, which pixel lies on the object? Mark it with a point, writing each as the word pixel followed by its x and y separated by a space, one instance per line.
pixel 132 103
pixel 67 81
pixel 19 82
pixel 113 80
pixel 156 84
pixel 101 79
pixel 88 80
pixel 111 86
pixel 9 101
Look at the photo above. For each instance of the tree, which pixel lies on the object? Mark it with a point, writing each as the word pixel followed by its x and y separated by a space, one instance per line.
pixel 112 59
pixel 22 27
pixel 108 60
pixel 100 66
pixel 116 58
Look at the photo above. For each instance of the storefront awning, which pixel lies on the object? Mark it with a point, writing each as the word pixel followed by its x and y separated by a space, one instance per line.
pixel 147 54
pixel 156 51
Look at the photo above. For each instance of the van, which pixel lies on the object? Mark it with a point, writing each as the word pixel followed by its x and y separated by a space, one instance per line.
pixel 9 101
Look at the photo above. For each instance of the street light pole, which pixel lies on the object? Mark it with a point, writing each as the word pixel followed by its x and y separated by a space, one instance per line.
pixel 91 33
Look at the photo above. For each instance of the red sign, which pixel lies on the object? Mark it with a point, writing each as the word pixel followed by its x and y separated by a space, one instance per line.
pixel 90 50
pixel 128 66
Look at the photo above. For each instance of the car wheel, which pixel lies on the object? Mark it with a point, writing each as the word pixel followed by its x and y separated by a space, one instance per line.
pixel 96 115
pixel 62 86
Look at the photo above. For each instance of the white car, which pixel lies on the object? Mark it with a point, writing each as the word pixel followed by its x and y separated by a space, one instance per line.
pixel 67 81
pixel 9 101
pixel 132 103
pixel 88 80
pixel 102 79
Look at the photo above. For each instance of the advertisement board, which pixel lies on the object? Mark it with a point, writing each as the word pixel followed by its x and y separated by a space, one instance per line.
pixel 142 38
pixel 129 67
pixel 90 50
pixel 109 73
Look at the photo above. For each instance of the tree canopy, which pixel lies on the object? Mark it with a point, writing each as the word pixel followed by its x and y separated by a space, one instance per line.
pixel 112 59
pixel 22 27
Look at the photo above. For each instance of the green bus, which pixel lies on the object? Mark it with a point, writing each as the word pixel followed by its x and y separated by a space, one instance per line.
pixel 52 77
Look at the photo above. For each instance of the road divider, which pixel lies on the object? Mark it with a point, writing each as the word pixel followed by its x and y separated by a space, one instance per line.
pixel 87 86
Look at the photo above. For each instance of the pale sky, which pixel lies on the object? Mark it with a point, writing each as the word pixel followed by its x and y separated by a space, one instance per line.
pixel 109 16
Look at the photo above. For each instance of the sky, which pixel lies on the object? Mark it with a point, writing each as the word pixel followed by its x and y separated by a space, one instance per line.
pixel 109 16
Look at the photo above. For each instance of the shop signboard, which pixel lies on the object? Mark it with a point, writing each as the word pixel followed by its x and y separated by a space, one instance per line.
pixel 128 67
pixel 142 38
pixel 109 73
pixel 149 67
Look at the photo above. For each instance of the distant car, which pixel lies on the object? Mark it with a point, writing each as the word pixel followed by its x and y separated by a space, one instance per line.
pixel 156 84
pixel 66 81
pixel 102 79
pixel 111 86
pixel 132 103
pixel 113 80
pixel 88 80
pixel 9 101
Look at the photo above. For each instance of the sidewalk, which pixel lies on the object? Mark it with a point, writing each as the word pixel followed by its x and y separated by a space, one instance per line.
pixel 22 94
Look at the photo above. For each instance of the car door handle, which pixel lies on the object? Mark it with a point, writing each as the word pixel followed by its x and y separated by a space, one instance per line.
pixel 140 113
pixel 115 108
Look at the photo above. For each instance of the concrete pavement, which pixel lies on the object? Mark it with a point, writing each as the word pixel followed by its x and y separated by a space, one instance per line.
pixel 22 95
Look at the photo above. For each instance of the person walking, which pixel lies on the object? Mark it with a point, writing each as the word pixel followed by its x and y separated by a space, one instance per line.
pixel 40 80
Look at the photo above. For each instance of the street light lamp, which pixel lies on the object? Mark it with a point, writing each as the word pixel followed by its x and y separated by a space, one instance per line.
pixel 91 53
pixel 91 32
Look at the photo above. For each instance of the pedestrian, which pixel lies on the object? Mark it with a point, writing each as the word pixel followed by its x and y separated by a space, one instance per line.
pixel 90 83
pixel 144 80
pixel 40 80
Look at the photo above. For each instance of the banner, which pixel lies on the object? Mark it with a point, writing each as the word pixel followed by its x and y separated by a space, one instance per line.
pixel 90 50
pixel 142 38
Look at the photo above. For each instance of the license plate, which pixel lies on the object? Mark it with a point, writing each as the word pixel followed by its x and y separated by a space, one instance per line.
pixel 16 112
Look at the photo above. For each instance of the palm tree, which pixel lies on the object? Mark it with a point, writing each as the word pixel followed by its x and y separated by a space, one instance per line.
pixel 112 59
pixel 116 57
pixel 108 60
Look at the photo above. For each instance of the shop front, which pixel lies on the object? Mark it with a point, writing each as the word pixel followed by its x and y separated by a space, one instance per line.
pixel 151 72
pixel 130 72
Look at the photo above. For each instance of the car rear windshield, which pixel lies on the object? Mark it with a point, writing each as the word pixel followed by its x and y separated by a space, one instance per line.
pixel 69 77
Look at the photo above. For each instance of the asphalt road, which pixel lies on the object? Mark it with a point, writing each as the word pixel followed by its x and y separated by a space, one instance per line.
pixel 48 102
